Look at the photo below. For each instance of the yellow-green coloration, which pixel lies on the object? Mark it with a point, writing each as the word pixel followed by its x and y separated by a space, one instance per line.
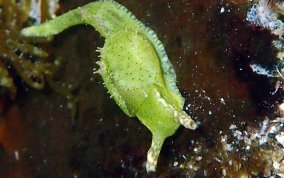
pixel 19 53
pixel 134 67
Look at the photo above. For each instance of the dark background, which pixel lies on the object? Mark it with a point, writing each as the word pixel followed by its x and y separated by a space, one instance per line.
pixel 211 52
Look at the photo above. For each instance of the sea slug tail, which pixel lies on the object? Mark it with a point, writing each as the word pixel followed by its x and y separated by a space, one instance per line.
pixel 54 26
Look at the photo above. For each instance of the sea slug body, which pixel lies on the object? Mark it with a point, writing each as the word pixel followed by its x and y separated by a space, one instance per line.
pixel 134 67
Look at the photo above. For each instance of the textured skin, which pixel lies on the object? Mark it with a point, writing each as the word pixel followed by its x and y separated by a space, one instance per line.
pixel 134 66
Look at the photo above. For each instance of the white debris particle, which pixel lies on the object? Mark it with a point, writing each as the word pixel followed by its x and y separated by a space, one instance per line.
pixel 262 140
pixel 224 172
pixel 265 125
pixel 222 101
pixel 175 163
pixel 276 165
pixel 232 127
pixel 187 107
pixel 281 107
pixel 17 156
pixel 222 10
pixel 260 70
pixel 247 147
pixel 205 172
pixel 208 98
pixel 273 129
pixel 210 113
pixel 224 138
pixel 280 138
pixel 199 158
pixel 229 147
pixel 278 44
pixel 57 62
pixel 198 123
pixel 237 134
pixel 217 159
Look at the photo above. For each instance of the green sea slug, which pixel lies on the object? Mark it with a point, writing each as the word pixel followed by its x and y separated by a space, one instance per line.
pixel 134 67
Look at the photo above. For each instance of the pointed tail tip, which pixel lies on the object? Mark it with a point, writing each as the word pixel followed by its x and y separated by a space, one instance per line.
pixel 25 32
pixel 29 31
pixel 38 31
